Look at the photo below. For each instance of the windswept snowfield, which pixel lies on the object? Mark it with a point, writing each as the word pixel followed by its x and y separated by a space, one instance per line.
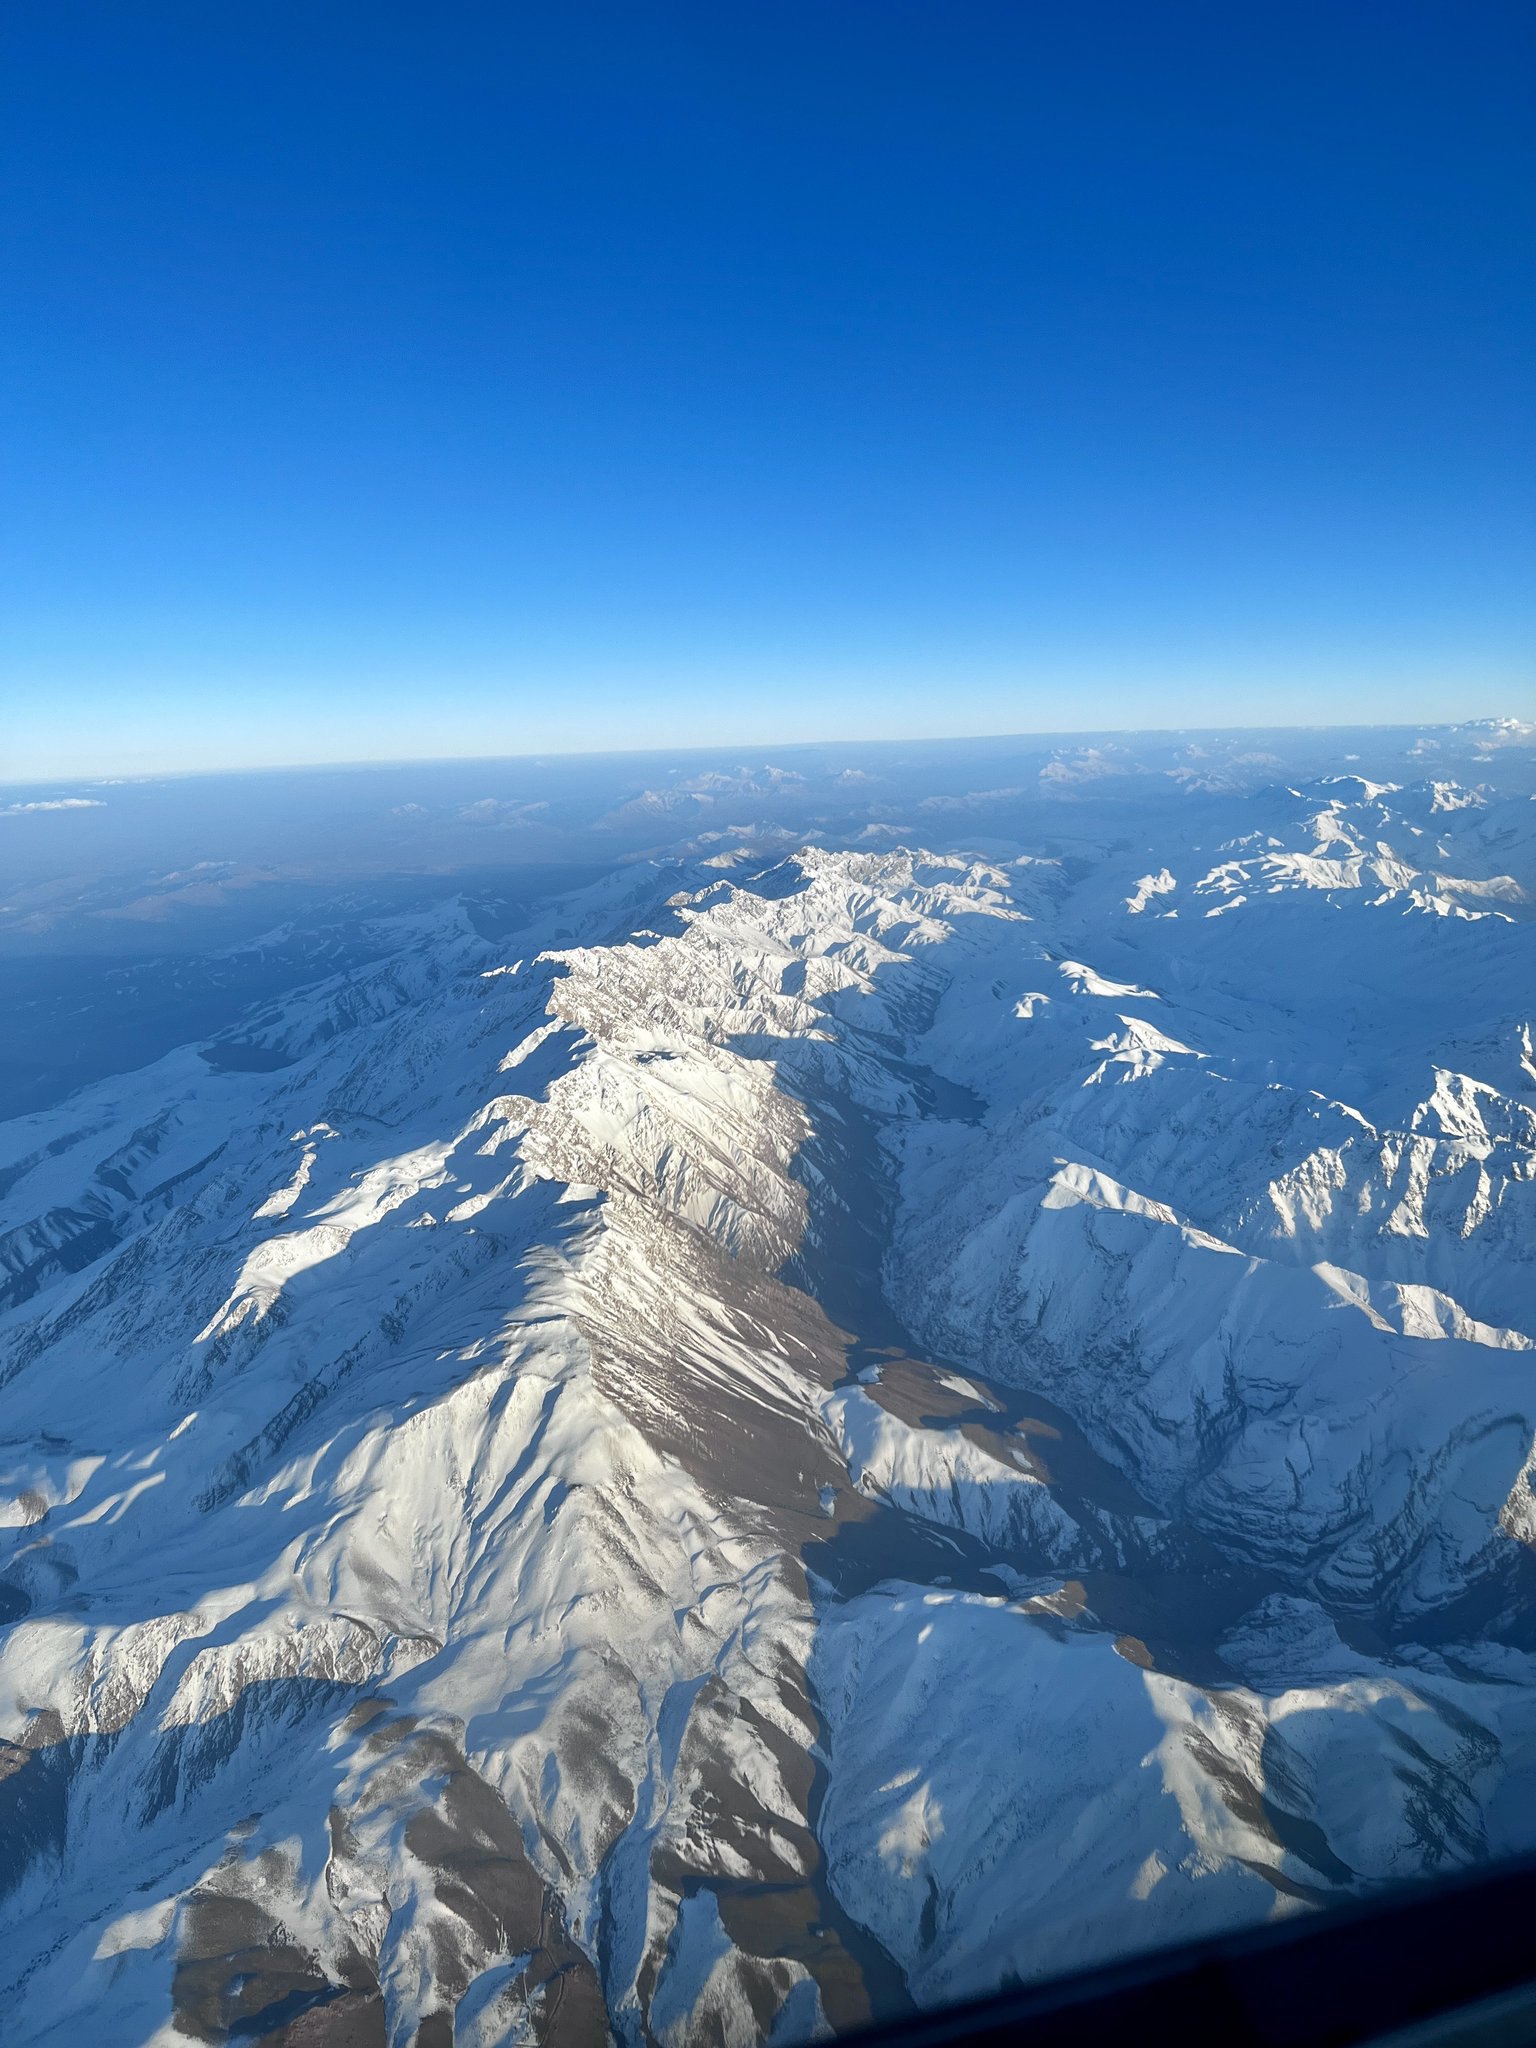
pixel 894 1391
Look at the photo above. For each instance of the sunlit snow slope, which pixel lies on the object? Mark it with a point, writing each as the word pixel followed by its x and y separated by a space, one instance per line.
pixel 820 1432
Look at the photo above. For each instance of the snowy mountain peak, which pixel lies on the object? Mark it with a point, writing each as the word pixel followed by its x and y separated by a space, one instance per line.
pixel 568 1481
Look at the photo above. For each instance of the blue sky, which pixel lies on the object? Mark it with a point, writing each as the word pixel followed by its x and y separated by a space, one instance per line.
pixel 387 380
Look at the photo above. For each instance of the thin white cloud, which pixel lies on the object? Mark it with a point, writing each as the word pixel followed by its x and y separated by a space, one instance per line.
pixel 54 803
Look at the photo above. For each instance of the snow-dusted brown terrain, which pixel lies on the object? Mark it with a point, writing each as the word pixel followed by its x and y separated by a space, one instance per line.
pixel 842 1418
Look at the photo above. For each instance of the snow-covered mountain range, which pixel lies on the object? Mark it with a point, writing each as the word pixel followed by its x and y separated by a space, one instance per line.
pixel 817 1430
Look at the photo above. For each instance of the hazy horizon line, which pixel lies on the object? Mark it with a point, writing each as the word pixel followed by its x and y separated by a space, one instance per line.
pixel 542 754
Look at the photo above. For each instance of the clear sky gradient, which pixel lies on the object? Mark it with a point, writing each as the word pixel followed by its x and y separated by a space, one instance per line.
pixel 387 380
